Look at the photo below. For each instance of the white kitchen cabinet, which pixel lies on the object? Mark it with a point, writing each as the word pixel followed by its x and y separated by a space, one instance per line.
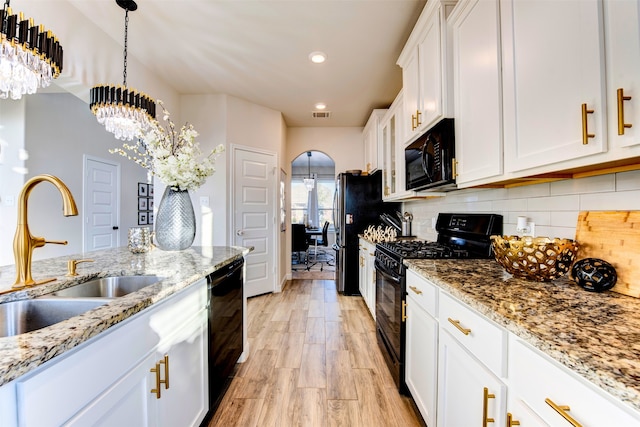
pixel 553 81
pixel 421 363
pixel 426 66
pixel 477 87
pixel 468 393
pixel 109 380
pixel 392 158
pixel 373 141
pixel 367 278
pixel 556 395
pixel 622 47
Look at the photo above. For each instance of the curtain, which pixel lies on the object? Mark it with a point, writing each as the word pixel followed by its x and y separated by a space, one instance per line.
pixel 312 205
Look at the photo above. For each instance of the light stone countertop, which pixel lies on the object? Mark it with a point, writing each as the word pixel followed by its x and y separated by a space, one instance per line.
pixel 597 335
pixel 23 353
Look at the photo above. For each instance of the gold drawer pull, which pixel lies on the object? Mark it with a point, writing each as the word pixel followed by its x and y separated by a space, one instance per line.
pixel 485 407
pixel 456 323
pixel 510 421
pixel 562 410
pixel 413 122
pixel 157 389
pixel 416 290
pixel 621 124
pixel 165 361
pixel 585 127
pixel 404 311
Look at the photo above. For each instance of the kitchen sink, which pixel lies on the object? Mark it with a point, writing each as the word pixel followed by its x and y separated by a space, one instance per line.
pixel 108 287
pixel 19 317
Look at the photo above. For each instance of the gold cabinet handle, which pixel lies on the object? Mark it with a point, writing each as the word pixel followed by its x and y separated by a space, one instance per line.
pixel 418 122
pixel 621 124
pixel 404 311
pixel 454 167
pixel 485 407
pixel 585 128
pixel 416 290
pixel 456 323
pixel 562 410
pixel 165 362
pixel 157 389
pixel 510 421
pixel 413 122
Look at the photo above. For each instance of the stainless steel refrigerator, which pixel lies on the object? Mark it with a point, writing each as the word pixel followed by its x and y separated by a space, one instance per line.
pixel 357 204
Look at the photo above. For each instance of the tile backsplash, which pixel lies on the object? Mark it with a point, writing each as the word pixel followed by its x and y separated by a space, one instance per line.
pixel 553 206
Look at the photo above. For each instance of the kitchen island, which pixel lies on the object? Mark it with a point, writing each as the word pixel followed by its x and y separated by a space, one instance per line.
pixel 24 353
pixel 594 335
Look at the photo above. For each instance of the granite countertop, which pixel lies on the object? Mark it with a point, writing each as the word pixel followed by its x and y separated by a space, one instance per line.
pixel 23 353
pixel 597 335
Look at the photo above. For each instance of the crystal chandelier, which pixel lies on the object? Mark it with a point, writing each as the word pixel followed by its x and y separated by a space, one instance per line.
pixel 123 111
pixel 309 182
pixel 30 56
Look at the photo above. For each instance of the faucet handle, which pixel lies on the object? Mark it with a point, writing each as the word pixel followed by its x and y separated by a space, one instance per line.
pixel 56 242
pixel 71 266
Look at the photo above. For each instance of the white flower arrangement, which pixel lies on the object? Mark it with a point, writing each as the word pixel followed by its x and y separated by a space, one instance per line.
pixel 170 156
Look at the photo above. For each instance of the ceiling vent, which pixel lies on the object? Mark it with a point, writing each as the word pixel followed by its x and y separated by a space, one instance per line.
pixel 321 114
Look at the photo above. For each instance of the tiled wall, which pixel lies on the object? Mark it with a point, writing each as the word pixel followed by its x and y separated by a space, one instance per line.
pixel 554 206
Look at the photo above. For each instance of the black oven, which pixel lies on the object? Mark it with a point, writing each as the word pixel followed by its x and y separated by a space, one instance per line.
pixel 390 306
pixel 429 159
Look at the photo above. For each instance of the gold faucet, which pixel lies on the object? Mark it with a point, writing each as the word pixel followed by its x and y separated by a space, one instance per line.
pixel 23 242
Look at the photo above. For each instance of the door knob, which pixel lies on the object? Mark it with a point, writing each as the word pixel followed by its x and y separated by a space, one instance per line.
pixel 115 227
pixel 240 232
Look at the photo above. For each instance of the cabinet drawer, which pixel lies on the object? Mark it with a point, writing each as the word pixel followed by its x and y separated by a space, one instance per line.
pixel 423 292
pixel 483 338
pixel 540 382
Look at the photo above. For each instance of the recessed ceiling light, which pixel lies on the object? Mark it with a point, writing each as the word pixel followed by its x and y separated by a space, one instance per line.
pixel 318 57
pixel 321 106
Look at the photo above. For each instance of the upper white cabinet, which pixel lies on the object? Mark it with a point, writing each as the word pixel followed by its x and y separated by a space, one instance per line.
pixel 622 47
pixel 425 63
pixel 553 81
pixel 372 141
pixel 392 157
pixel 477 84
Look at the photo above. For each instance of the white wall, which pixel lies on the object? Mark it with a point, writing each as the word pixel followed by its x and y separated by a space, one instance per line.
pixel 554 207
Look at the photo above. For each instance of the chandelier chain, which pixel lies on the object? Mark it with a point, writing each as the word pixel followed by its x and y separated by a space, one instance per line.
pixel 126 40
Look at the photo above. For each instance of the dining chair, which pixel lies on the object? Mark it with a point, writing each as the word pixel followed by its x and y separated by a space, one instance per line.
pixel 299 245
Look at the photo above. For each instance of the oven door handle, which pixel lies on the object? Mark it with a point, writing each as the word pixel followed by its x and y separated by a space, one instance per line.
pixel 385 274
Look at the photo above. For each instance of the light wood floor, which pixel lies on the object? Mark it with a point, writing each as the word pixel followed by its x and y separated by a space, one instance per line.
pixel 313 361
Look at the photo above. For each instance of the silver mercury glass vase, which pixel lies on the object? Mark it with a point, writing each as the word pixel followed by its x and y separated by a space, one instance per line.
pixel 175 221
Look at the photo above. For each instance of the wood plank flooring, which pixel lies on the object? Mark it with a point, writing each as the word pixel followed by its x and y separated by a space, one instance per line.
pixel 313 361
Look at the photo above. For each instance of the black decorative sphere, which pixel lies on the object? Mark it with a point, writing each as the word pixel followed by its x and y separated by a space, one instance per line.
pixel 594 274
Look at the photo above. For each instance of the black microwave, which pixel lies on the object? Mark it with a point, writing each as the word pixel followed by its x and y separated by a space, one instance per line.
pixel 429 159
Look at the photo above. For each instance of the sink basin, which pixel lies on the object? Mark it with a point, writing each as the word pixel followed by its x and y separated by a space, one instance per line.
pixel 19 317
pixel 108 287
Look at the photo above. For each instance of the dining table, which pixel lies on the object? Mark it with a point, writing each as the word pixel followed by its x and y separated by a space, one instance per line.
pixel 313 233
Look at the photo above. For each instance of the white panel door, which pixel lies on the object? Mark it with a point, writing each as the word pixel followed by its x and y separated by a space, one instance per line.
pixel 254 217
pixel 101 204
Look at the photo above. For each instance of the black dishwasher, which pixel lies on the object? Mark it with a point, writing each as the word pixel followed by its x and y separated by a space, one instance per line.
pixel 225 328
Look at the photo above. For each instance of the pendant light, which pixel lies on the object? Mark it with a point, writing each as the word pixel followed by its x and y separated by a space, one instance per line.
pixel 309 182
pixel 123 111
pixel 30 56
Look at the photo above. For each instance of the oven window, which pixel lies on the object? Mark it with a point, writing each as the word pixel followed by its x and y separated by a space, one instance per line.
pixel 388 310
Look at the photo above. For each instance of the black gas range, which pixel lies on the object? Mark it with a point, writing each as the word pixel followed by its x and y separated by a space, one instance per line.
pixel 460 236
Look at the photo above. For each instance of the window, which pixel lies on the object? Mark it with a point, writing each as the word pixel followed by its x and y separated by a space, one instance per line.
pixel 300 197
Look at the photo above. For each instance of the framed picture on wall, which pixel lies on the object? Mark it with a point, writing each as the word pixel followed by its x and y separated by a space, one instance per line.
pixel 283 200
pixel 150 190
pixel 150 204
pixel 150 218
pixel 143 189
pixel 143 203
pixel 143 218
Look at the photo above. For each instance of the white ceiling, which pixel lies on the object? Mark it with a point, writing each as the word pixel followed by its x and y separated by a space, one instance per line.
pixel 258 50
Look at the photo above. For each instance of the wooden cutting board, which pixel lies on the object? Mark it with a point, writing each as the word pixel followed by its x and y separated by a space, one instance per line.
pixel 613 236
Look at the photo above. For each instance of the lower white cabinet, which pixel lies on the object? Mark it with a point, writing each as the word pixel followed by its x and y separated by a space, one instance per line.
pixel 367 277
pixel 463 369
pixel 468 393
pixel 421 364
pixel 151 370
pixel 558 396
